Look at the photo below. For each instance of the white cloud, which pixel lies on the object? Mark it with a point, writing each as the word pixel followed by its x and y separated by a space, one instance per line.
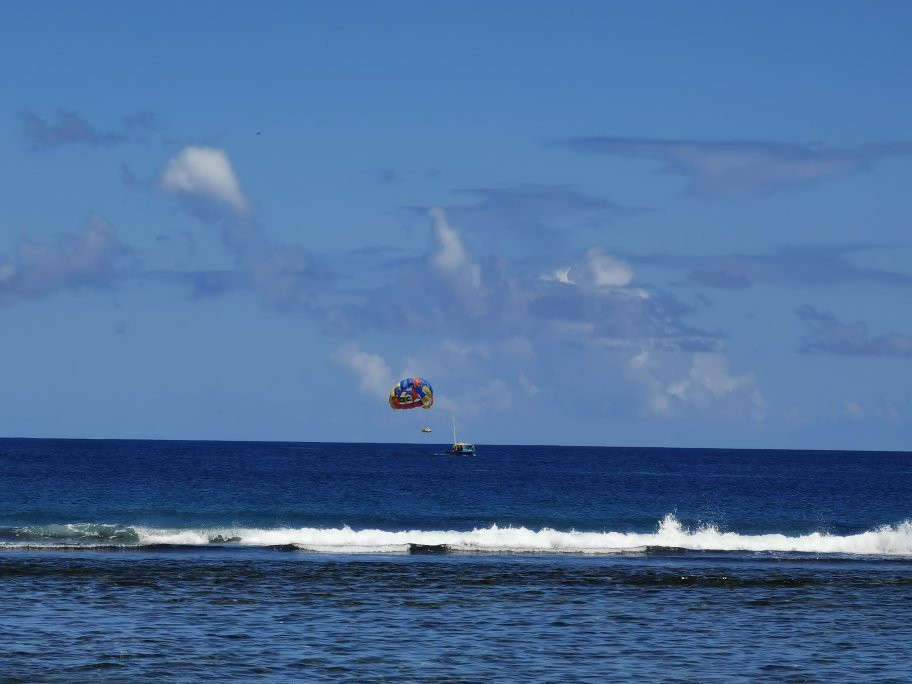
pixel 206 173
pixel 203 178
pixel 601 270
pixel 450 254
pixel 709 381
pixel 372 371
pixel 558 275
pixel 607 270
pixel 708 375
pixel 707 384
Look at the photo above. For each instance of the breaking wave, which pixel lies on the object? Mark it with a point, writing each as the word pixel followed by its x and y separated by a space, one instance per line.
pixel 888 540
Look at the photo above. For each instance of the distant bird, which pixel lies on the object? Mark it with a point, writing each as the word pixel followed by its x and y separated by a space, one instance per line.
pixel 258 132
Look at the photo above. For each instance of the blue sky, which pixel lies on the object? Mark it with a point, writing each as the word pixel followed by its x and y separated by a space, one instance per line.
pixel 658 224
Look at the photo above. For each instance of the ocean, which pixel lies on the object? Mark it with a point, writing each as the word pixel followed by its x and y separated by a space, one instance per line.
pixel 176 561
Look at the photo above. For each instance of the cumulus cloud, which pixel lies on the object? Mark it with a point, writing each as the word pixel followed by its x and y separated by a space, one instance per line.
pixel 448 292
pixel 605 308
pixel 598 269
pixel 448 289
pixel 449 255
pixel 205 181
pixel 731 168
pixel 605 314
pixel 558 275
pixel 70 128
pixel 90 258
pixel 708 379
pixel 606 269
pixel 204 173
pixel 827 335
pixel 618 318
pixel 373 373
pixel 707 384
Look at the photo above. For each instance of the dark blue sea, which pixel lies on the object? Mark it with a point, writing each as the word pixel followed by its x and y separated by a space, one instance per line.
pixel 169 561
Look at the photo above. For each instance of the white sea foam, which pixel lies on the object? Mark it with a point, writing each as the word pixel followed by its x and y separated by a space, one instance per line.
pixel 886 540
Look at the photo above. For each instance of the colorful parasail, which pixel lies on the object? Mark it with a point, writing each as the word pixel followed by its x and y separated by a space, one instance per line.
pixel 412 393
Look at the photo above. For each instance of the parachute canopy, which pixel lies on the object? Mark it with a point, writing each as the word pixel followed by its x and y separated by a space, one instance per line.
pixel 412 393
